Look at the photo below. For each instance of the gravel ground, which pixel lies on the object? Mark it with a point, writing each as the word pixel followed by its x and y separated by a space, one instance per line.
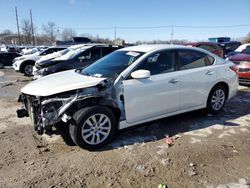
pixel 207 151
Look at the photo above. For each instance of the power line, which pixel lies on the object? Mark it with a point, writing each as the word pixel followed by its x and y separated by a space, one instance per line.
pixel 156 27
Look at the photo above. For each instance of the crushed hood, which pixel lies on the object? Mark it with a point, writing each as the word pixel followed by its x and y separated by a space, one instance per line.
pixel 60 82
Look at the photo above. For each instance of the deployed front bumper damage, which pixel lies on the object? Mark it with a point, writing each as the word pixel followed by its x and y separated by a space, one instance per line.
pixel 44 112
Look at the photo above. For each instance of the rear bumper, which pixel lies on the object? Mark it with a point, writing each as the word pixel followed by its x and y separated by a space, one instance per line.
pixel 243 80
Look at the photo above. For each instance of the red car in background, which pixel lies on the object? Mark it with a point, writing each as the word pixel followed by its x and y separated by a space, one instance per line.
pixel 209 46
pixel 242 62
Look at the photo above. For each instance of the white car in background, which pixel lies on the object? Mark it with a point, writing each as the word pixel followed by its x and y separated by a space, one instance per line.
pixel 25 63
pixel 130 86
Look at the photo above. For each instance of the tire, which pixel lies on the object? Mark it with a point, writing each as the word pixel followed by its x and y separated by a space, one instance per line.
pixel 27 69
pixel 216 99
pixel 85 133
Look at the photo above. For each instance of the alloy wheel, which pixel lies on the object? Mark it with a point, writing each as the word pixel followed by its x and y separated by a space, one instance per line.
pixel 96 129
pixel 218 99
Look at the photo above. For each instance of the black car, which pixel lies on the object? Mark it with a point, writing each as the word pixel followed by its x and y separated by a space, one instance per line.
pixel 73 59
pixel 6 58
pixel 246 50
pixel 229 47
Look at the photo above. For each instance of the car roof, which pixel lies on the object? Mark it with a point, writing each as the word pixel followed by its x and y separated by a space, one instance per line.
pixel 198 43
pixel 153 47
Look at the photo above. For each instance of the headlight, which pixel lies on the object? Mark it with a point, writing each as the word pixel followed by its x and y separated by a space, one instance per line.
pixel 19 59
pixel 43 71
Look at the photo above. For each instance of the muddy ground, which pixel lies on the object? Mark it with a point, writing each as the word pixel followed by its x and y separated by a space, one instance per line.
pixel 208 151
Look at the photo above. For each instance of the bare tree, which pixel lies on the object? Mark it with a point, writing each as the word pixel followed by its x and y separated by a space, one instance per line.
pixel 7 32
pixel 68 34
pixel 26 31
pixel 49 31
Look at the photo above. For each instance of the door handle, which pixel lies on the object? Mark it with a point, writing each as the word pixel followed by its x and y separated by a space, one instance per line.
pixel 173 81
pixel 209 72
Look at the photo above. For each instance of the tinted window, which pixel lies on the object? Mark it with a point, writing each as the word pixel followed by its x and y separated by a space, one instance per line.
pixel 189 59
pixel 90 55
pixel 247 50
pixel 160 62
pixel 106 51
pixel 207 47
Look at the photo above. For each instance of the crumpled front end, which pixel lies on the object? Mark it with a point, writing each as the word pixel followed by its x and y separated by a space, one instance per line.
pixel 45 112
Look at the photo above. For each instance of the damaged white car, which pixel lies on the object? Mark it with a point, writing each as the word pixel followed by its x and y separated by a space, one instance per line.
pixel 128 87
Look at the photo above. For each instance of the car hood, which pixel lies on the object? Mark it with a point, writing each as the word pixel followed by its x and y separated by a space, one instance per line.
pixel 240 57
pixel 48 57
pixel 60 82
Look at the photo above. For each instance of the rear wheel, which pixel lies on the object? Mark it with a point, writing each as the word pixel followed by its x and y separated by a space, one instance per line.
pixel 216 99
pixel 28 69
pixel 92 127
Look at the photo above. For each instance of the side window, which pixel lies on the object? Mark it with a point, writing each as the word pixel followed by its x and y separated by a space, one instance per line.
pixel 205 47
pixel 247 50
pixel 84 56
pixel 189 59
pixel 160 62
pixel 48 51
pixel 90 55
pixel 95 54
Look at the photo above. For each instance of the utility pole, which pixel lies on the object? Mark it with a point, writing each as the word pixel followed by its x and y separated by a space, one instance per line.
pixel 58 31
pixel 172 34
pixel 32 28
pixel 114 33
pixel 17 24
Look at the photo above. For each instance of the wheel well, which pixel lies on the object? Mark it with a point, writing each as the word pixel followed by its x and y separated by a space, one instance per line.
pixel 225 85
pixel 26 63
pixel 96 101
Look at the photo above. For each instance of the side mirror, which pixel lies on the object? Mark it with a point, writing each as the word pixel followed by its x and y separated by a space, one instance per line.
pixel 140 74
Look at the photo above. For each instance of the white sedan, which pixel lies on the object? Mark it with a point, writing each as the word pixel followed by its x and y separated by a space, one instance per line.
pixel 130 86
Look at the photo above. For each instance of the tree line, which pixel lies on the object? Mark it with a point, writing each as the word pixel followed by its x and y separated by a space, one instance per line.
pixel 48 34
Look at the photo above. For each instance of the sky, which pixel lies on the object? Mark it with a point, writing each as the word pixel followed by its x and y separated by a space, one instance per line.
pixel 100 17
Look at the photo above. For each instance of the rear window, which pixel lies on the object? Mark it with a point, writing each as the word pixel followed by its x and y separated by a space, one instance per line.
pixel 189 59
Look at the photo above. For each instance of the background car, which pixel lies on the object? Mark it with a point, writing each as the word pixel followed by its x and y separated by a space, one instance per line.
pixel 76 58
pixel 6 58
pixel 209 46
pixel 244 48
pixel 242 62
pixel 24 64
pixel 229 47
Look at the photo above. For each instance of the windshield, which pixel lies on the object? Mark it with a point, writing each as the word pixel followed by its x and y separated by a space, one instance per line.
pixel 112 65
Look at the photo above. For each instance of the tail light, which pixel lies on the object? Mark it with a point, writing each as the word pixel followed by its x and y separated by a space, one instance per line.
pixel 234 68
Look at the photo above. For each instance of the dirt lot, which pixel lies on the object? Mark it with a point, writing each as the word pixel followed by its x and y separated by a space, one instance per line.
pixel 208 151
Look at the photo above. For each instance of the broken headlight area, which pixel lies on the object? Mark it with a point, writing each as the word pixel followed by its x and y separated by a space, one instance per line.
pixel 47 111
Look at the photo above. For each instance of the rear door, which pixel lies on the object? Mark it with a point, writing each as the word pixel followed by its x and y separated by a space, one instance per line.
pixel 197 76
pixel 157 95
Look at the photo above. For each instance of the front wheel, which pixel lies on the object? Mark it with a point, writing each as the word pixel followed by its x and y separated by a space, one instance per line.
pixel 92 127
pixel 216 100
pixel 28 69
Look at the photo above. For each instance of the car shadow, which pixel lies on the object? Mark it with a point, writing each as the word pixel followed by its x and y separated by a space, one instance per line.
pixel 178 124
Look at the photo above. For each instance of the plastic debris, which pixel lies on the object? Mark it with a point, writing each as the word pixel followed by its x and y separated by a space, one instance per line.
pixel 162 185
pixel 169 141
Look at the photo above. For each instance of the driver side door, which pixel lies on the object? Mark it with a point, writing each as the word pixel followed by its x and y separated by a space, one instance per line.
pixel 154 96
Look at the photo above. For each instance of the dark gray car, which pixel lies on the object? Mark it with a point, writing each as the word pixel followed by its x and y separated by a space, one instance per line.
pixel 73 59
